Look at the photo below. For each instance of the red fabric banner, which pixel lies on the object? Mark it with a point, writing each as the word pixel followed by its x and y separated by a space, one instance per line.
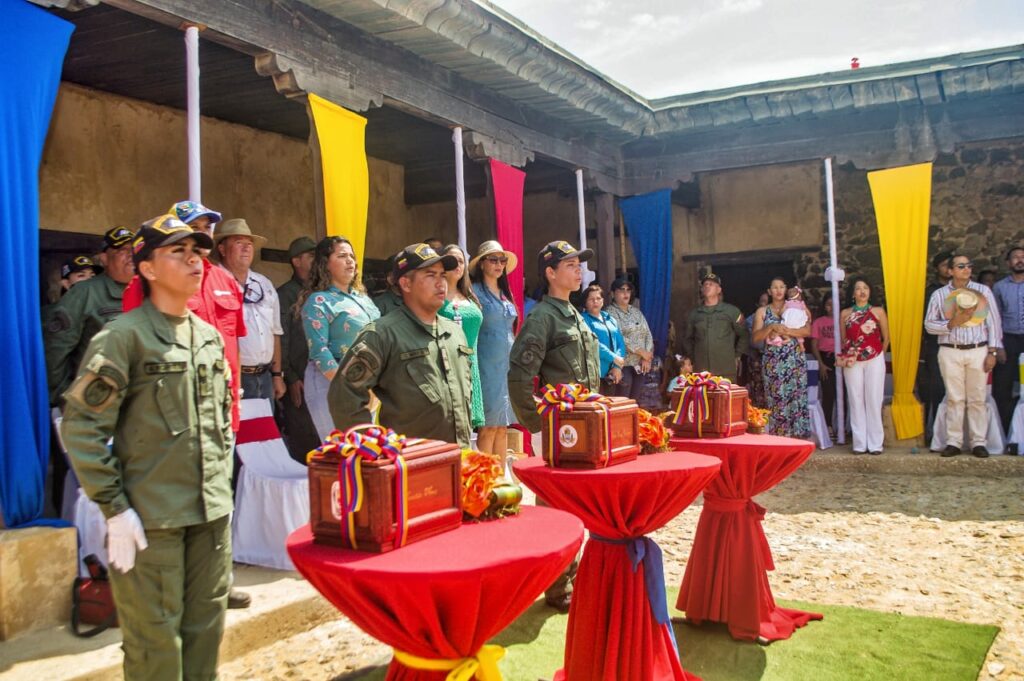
pixel 508 214
pixel 726 577
pixel 257 430
pixel 446 596
pixel 612 633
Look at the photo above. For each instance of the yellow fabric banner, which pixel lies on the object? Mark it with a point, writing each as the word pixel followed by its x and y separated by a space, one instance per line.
pixel 902 198
pixel 342 136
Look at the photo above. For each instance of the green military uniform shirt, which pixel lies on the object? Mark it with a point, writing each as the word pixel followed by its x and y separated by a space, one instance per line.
pixel 556 346
pixel 715 337
pixel 388 301
pixel 159 386
pixel 294 351
pixel 420 375
pixel 72 322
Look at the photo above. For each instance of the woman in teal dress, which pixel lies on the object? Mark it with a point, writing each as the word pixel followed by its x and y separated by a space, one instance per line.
pixel 334 308
pixel 462 307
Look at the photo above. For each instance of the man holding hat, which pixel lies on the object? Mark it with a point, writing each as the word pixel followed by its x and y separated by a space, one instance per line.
pixel 85 309
pixel 156 383
pixel 260 349
pixel 299 431
pixel 716 334
pixel 556 346
pixel 416 362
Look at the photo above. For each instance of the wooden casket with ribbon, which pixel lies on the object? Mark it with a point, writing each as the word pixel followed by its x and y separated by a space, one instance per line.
pixel 374 490
pixel 704 405
pixel 581 429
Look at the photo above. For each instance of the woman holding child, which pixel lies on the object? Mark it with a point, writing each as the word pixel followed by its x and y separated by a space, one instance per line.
pixel 784 365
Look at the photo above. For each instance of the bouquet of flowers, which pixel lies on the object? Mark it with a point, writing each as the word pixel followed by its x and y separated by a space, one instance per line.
pixel 486 494
pixel 757 419
pixel 653 434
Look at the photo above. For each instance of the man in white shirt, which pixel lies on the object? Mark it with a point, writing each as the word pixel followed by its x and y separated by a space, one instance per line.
pixel 260 349
pixel 965 317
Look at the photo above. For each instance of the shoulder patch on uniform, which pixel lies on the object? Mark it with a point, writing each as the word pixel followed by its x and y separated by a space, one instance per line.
pixel 530 351
pixel 152 368
pixel 59 321
pixel 363 364
pixel 92 391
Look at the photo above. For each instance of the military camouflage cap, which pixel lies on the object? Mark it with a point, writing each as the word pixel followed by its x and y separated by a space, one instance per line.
pixel 115 237
pixel 557 251
pixel 416 256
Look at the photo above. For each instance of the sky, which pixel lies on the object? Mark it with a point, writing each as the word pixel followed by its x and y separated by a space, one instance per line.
pixel 660 48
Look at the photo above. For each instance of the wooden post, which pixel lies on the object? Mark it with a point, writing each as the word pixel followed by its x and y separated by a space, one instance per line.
pixel 604 215
pixel 318 176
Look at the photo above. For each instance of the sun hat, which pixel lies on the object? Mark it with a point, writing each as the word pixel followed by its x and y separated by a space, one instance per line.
pixel 238 227
pixel 489 248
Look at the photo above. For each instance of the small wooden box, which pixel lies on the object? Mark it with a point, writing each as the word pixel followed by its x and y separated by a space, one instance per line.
pixel 435 497
pixel 727 413
pixel 581 435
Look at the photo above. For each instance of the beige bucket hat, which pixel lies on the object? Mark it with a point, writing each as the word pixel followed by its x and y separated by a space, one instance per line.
pixel 490 248
pixel 237 227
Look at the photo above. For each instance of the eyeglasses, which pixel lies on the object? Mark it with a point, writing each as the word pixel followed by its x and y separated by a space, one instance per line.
pixel 253 293
pixel 964 265
pixel 497 260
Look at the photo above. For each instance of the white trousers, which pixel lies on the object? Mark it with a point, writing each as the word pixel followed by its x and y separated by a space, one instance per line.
pixel 963 372
pixel 865 387
pixel 315 386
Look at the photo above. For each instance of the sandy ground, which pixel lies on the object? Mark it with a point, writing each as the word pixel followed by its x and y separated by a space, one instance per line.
pixel 938 545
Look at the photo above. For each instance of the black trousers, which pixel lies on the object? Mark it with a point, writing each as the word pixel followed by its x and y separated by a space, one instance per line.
pixel 932 389
pixel 1005 375
pixel 827 386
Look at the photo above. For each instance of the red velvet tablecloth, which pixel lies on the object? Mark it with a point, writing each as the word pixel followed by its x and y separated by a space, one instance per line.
pixel 726 577
pixel 443 597
pixel 613 633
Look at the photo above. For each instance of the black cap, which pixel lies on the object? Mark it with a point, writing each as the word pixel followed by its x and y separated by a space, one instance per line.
pixel 711 276
pixel 115 237
pixel 78 264
pixel 557 251
pixel 164 231
pixel 417 256
pixel 301 245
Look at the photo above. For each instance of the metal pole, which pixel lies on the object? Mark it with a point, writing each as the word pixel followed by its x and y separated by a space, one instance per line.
pixel 195 189
pixel 840 401
pixel 460 188
pixel 581 211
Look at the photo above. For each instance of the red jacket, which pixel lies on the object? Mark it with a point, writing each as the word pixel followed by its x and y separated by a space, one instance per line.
pixel 218 302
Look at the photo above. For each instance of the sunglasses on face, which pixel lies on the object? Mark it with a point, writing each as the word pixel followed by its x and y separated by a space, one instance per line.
pixel 964 265
pixel 496 260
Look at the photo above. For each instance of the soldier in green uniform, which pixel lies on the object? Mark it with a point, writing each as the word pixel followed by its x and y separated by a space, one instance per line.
pixel 716 333
pixel 299 431
pixel 391 297
pixel 85 309
pixel 415 362
pixel 555 346
pixel 156 381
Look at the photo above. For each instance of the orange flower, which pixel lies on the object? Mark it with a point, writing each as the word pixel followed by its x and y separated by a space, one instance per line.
pixel 480 473
pixel 653 436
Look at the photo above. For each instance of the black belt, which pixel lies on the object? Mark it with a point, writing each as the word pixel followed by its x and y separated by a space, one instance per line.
pixel 969 346
pixel 257 370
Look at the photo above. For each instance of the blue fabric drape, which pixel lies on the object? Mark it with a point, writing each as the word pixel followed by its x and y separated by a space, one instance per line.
pixel 32 47
pixel 649 221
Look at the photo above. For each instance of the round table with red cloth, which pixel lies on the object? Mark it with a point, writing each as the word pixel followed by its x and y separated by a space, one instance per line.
pixel 613 633
pixel 726 577
pixel 445 596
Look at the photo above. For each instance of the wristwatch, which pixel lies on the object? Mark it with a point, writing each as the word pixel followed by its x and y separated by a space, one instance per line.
pixel 276 374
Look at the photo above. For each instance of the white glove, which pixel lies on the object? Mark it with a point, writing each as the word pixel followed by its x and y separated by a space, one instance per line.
pixel 125 536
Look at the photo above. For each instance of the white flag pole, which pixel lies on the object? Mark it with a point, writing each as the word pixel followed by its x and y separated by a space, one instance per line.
pixel 460 188
pixel 588 276
pixel 195 189
pixel 835 275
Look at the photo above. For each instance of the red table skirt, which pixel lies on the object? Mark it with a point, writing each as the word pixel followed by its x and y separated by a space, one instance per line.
pixel 443 597
pixel 726 577
pixel 614 632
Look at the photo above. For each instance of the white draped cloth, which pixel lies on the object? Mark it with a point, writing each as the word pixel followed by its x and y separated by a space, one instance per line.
pixel 819 426
pixel 995 439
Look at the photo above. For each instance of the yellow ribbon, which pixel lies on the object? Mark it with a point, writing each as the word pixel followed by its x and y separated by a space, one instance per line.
pixel 482 666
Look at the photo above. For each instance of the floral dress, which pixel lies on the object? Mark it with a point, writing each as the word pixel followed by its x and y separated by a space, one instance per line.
pixel 470 318
pixel 784 368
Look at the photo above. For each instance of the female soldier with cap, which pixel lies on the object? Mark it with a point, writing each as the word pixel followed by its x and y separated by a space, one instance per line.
pixel 156 381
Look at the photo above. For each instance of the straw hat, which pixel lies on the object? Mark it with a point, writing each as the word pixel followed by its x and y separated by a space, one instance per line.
pixel 238 227
pixel 490 248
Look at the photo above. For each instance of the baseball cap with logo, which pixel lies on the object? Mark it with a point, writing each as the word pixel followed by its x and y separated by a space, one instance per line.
pixel 190 211
pixel 417 256
pixel 115 237
pixel 557 251
pixel 711 276
pixel 78 264
pixel 161 231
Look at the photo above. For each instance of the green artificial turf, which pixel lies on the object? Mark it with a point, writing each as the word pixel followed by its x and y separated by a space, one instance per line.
pixel 850 643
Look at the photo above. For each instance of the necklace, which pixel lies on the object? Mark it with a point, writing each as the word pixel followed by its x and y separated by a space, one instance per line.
pixel 861 308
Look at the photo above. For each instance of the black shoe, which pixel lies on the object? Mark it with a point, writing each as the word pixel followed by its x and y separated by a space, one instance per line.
pixel 856 453
pixel 980 452
pixel 877 453
pixel 238 600
pixel 561 603
pixel 950 450
pixel 1012 449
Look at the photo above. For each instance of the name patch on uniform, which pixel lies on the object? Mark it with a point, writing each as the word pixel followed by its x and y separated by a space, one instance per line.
pixel 153 368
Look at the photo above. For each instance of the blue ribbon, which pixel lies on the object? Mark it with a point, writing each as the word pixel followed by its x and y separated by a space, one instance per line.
pixel 647 551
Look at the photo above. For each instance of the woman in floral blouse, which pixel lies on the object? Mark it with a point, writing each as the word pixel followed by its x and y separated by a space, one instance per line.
pixel 639 341
pixel 865 337
pixel 334 308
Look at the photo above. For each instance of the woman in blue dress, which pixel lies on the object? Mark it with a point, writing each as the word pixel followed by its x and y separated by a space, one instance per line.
pixel 611 344
pixel 334 309
pixel 489 270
